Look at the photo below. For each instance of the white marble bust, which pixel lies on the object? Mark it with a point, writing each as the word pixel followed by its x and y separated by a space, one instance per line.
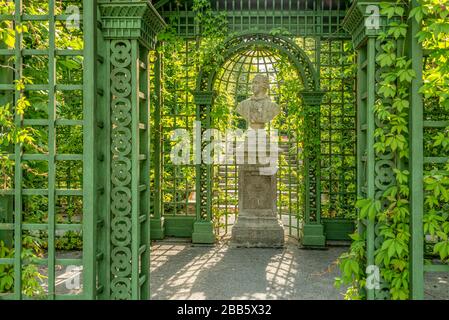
pixel 259 109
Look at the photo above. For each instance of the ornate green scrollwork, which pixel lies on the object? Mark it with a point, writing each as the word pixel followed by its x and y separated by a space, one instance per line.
pixel 121 145
pixel 129 30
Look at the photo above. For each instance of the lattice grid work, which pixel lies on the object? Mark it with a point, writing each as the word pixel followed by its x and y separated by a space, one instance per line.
pixel 51 205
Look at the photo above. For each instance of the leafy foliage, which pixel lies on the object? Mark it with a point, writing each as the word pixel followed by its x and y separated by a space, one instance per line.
pixel 391 210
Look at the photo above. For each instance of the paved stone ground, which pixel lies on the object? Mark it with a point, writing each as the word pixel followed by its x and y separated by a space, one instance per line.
pixel 182 271
pixel 436 286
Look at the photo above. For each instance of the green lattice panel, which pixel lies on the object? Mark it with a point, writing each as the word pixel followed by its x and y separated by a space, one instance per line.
pixel 300 18
pixel 45 195
pixel 337 130
pixel 178 188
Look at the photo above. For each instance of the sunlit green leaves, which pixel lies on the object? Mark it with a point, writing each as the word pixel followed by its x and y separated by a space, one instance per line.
pixel 401 176
pixel 21 105
pixel 368 208
pixel 7 33
pixel 388 89
pixel 350 269
pixel 393 247
pixel 400 104
pixel 406 75
pixel 442 139
pixel 438 185
pixel 391 110
pixel 397 30
pixel 417 13
pixel 6 271
pixel 386 59
pixel 442 248
pixel 395 141
pixel 432 222
pixel 7 36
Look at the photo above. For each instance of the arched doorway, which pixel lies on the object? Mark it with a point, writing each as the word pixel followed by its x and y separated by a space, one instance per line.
pixel 253 48
pixel 233 85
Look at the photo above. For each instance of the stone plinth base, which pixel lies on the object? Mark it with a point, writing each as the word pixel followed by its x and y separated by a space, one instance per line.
pixel 257 230
pixel 257 224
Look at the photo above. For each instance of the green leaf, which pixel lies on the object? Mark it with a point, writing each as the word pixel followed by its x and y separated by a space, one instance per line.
pixel 391 249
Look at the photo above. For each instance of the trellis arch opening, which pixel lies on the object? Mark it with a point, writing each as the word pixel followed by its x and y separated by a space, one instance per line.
pixel 232 85
pixel 252 46
pixel 244 41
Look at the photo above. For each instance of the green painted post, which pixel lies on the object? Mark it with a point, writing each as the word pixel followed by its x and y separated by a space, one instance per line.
pixel 203 230
pixel 198 159
pixel 361 132
pixel 18 172
pixel 90 194
pixel 99 126
pixel 313 230
pixel 157 220
pixel 129 29
pixel 306 193
pixel 364 40
pixel 416 163
pixel 135 170
pixel 370 100
pixel 144 157
pixel 51 151
pixel 318 164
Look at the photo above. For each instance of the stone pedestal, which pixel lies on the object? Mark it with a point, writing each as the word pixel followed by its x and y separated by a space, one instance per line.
pixel 257 225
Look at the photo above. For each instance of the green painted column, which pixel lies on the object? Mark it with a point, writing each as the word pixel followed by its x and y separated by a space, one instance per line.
pixel 313 229
pixel 203 230
pixel 157 220
pixel 129 30
pixel 370 95
pixel 364 41
pixel 94 201
pixel 374 169
pixel 416 163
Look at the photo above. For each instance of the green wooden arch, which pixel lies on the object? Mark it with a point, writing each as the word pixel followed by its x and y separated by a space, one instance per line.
pixel 245 40
pixel 311 94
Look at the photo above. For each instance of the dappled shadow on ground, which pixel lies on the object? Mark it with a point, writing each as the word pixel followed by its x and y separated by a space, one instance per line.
pixel 436 286
pixel 180 271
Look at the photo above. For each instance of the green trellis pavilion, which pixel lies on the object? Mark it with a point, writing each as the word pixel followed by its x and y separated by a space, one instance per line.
pixel 92 91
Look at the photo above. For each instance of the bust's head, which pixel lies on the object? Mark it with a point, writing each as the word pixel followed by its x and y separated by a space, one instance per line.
pixel 261 85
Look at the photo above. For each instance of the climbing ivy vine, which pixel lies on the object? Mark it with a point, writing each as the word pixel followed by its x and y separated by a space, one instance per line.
pixel 434 36
pixel 391 210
